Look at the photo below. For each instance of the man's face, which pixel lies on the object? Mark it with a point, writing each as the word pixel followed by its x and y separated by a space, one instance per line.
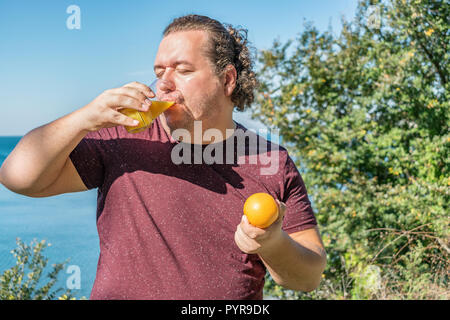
pixel 189 80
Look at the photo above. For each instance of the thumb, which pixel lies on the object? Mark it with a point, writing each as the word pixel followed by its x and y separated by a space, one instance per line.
pixel 281 209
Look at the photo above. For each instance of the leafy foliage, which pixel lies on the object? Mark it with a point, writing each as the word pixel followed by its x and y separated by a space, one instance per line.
pixel 365 114
pixel 24 280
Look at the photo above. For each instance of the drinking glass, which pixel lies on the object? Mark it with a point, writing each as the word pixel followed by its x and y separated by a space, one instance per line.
pixel 146 118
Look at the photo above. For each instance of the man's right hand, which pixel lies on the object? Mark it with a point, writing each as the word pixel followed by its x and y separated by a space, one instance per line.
pixel 104 110
pixel 40 166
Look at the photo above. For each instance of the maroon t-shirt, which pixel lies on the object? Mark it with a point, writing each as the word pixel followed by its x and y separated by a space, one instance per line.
pixel 166 228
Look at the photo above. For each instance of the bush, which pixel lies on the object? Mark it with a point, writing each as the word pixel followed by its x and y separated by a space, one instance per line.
pixel 22 281
pixel 365 114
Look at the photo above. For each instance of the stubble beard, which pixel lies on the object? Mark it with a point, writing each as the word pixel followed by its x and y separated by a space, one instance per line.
pixel 186 119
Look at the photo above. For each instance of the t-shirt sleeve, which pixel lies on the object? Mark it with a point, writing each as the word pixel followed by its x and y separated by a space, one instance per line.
pixel 88 160
pixel 299 213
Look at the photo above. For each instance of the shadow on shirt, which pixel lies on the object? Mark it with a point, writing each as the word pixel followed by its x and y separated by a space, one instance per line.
pixel 204 165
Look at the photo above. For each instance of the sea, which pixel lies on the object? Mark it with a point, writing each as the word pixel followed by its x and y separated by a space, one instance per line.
pixel 67 222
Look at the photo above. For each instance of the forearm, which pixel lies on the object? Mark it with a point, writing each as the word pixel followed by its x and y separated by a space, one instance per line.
pixel 40 155
pixel 293 265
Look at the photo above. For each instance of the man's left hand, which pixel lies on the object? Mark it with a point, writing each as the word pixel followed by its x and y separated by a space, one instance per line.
pixel 251 239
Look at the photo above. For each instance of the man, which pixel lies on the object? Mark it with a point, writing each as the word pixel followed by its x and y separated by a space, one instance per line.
pixel 175 230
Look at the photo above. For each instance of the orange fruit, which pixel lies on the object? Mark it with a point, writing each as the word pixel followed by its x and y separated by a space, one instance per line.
pixel 261 209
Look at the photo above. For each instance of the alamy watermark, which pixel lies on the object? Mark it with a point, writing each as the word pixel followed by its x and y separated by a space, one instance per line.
pixel 259 147
pixel 74 20
pixel 74 280
pixel 373 17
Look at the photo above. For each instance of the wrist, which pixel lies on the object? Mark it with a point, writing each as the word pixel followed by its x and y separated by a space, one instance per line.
pixel 83 120
pixel 274 244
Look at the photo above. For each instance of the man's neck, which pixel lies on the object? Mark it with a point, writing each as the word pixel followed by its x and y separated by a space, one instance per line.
pixel 214 132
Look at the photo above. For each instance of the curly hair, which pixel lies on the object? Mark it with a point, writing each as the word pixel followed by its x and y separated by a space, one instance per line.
pixel 228 45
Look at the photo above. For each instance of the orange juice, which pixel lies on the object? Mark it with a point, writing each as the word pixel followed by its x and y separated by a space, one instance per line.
pixel 146 118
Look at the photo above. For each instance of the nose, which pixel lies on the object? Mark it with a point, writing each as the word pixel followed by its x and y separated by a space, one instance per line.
pixel 164 86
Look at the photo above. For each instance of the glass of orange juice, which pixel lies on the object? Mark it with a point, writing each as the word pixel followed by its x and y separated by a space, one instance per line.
pixel 146 118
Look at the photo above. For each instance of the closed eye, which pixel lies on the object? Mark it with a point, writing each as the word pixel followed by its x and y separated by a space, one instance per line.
pixel 159 72
pixel 184 71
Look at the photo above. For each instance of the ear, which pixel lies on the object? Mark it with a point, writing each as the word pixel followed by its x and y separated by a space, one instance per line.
pixel 229 77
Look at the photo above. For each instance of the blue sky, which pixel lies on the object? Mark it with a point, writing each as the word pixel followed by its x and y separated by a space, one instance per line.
pixel 47 70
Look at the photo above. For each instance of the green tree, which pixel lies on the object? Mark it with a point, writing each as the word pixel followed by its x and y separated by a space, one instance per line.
pixel 22 281
pixel 365 114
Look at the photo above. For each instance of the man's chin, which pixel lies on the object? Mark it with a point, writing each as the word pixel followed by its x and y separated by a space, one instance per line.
pixel 177 119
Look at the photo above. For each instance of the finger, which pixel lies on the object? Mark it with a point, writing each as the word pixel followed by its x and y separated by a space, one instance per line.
pixel 132 93
pixel 249 229
pixel 244 236
pixel 247 243
pixel 281 210
pixel 240 242
pixel 122 120
pixel 141 87
pixel 119 101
